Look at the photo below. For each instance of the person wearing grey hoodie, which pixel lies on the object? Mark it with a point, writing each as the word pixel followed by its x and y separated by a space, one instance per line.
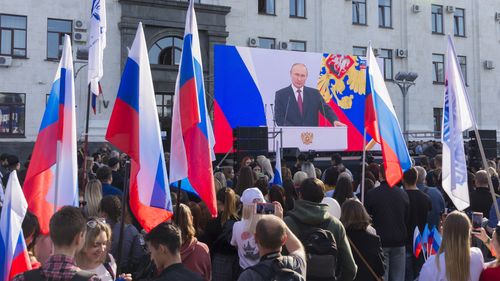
pixel 309 211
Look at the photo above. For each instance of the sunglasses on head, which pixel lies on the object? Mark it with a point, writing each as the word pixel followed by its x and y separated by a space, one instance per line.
pixel 95 221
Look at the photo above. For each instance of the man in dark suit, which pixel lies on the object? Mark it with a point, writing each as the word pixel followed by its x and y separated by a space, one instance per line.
pixel 298 105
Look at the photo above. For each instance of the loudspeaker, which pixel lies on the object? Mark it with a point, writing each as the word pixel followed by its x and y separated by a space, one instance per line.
pixel 489 141
pixel 250 141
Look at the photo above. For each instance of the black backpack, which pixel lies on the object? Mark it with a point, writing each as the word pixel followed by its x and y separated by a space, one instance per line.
pixel 280 269
pixel 321 250
pixel 35 275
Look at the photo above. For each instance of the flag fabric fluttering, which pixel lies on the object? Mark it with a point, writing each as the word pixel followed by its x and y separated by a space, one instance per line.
pixel 382 123
pixel 52 177
pixel 457 117
pixel 417 242
pixel 436 240
pixel 96 45
pixel 277 179
pixel 14 258
pixel 192 135
pixel 135 129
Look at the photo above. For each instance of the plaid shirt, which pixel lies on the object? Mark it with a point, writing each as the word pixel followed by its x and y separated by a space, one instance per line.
pixel 58 268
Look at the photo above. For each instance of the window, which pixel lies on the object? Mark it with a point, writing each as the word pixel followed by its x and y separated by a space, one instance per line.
pixel 386 55
pixel 459 22
pixel 359 51
pixel 12 113
pixel 299 46
pixel 166 51
pixel 267 43
pixel 298 8
pixel 359 12
pixel 437 19
pixel 462 60
pixel 267 7
pixel 164 104
pixel 438 119
pixel 384 13
pixel 56 29
pixel 13 36
pixel 438 65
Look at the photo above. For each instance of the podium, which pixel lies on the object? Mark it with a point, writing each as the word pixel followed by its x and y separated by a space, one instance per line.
pixel 314 138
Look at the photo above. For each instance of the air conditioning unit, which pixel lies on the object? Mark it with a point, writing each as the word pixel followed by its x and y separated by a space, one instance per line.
pixel 497 16
pixel 253 42
pixel 80 37
pixel 80 25
pixel 5 61
pixel 283 45
pixel 488 64
pixel 401 53
pixel 450 9
pixel 416 8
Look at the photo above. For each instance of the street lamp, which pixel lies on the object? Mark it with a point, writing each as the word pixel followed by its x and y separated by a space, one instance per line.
pixel 405 80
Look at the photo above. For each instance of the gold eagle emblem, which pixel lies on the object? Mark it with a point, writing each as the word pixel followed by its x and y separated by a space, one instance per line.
pixel 307 137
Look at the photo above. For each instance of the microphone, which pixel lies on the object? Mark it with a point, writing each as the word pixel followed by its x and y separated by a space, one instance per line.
pixel 272 112
pixel 286 110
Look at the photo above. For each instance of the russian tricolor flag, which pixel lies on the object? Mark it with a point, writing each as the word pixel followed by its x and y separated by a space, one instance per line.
pixel 14 258
pixel 51 180
pixel 417 242
pixel 192 135
pixel 382 123
pixel 277 179
pixel 135 129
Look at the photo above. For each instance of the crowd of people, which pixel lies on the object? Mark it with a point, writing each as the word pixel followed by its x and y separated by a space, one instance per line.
pixel 316 225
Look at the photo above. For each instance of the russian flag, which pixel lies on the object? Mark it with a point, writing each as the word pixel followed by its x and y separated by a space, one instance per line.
pixel 382 123
pixel 417 242
pixel 51 180
pixel 14 258
pixel 135 129
pixel 277 179
pixel 192 135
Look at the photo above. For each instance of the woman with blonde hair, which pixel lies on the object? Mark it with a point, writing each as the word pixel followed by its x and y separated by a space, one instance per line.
pixel 95 256
pixel 243 230
pixel 194 254
pixel 92 197
pixel 456 260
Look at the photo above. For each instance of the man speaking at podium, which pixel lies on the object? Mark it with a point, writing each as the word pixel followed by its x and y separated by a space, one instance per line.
pixel 298 105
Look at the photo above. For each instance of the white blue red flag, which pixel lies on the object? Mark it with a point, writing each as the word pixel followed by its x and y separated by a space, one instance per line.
pixel 51 180
pixel 135 129
pixel 97 43
pixel 192 135
pixel 14 258
pixel 457 117
pixel 277 179
pixel 382 123
pixel 417 242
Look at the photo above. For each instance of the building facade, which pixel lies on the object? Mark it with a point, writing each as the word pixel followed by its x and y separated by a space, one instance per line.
pixel 408 35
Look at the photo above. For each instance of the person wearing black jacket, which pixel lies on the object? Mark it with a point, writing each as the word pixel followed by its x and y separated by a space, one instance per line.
pixel 363 238
pixel 389 208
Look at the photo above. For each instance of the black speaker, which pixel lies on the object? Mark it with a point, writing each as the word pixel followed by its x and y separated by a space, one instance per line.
pixel 489 141
pixel 250 141
pixel 290 153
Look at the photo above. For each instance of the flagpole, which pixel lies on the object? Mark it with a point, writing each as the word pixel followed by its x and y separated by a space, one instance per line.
pixel 485 165
pixel 122 219
pixel 178 205
pixel 363 168
pixel 86 139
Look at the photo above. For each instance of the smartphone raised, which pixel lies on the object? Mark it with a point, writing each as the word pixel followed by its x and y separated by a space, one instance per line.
pixel 264 208
pixel 477 221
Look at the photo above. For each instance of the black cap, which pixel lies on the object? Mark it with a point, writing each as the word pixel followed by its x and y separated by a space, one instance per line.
pixel 113 161
pixel 12 160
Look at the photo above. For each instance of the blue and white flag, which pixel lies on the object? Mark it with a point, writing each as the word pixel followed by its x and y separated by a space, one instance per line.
pixel 457 117
pixel 97 43
pixel 277 179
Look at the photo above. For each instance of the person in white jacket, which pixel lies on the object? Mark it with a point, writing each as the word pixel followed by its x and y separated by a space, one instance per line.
pixel 455 260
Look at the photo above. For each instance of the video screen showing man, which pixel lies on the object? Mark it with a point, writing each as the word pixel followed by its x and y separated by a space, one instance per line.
pixel 298 105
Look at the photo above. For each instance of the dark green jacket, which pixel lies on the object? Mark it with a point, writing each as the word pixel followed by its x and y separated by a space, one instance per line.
pixel 315 214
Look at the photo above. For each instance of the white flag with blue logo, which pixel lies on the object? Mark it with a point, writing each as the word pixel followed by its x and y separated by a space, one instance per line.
pixel 457 117
pixel 97 43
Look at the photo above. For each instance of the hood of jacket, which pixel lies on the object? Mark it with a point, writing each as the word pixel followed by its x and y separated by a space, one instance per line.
pixel 308 212
pixel 188 249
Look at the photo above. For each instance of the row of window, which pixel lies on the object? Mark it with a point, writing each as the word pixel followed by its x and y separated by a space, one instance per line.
pixel 13 36
pixel 268 7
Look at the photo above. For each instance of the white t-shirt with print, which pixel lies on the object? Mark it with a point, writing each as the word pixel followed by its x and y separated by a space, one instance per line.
pixel 248 251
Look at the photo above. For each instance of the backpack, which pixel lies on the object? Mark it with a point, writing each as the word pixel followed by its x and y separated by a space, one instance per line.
pixel 35 275
pixel 281 269
pixel 321 250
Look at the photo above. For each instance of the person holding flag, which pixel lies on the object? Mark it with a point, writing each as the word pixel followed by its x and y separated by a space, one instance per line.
pixel 192 136
pixel 14 258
